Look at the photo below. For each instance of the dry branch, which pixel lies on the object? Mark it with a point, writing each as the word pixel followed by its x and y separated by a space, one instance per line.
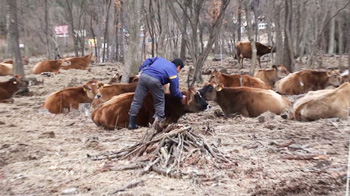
pixel 169 151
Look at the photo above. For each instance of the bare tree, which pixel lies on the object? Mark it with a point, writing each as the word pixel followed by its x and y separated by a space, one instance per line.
pixel 192 42
pixel 247 6
pixel 132 61
pixel 13 29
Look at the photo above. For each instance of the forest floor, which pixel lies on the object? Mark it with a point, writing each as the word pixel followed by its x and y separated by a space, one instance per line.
pixel 46 154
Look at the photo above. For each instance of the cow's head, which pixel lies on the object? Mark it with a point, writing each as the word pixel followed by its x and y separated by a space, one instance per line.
pixel 195 102
pixel 281 71
pixel 93 58
pixel 209 91
pixel 334 78
pixel 18 82
pixel 64 62
pixel 115 79
pixel 92 89
pixel 214 77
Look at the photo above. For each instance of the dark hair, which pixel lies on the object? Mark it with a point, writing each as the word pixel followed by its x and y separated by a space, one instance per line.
pixel 178 62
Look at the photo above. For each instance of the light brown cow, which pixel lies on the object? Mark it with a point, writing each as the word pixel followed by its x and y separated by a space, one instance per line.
pixel 10 87
pixel 25 61
pixel 307 80
pixel 237 80
pixel 50 66
pixel 114 113
pixel 244 50
pixel 63 100
pixel 108 91
pixel 6 69
pixel 249 102
pixel 80 62
pixel 271 76
pixel 329 103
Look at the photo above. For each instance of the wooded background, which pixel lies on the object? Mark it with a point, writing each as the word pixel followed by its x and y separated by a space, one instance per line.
pixel 130 31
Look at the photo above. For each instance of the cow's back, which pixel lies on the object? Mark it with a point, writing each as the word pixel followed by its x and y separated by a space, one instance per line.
pixel 328 103
pixel 6 69
pixel 64 100
pixel 78 62
pixel 251 102
pixel 114 113
pixel 242 80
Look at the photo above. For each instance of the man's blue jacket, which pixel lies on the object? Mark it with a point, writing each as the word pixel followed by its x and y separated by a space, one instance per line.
pixel 164 71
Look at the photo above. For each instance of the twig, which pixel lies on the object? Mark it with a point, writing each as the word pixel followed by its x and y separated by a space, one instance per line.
pixel 128 186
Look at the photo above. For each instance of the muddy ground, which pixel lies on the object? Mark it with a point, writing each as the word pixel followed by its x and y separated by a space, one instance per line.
pixel 46 154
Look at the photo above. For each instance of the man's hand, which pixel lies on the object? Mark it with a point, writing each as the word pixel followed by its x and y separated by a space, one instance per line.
pixel 184 100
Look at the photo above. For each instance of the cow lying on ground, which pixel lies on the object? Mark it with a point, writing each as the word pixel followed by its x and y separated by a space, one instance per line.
pixel 80 62
pixel 249 102
pixel 50 66
pixel 244 50
pixel 329 103
pixel 63 100
pixel 237 80
pixel 114 113
pixel 307 80
pixel 25 61
pixel 10 87
pixel 108 91
pixel 271 76
pixel 6 69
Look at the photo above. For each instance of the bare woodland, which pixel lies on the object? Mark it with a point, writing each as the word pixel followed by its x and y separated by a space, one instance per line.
pixel 45 154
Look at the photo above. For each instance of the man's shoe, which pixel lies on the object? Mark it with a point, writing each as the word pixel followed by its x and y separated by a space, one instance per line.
pixel 132 123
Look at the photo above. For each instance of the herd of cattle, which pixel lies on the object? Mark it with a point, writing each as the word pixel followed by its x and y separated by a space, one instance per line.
pixel 325 94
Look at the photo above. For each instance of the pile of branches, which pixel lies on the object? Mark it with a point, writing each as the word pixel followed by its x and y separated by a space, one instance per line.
pixel 170 151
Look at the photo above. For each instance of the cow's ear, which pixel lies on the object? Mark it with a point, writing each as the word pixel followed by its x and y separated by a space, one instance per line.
pixel 85 87
pixel 274 67
pixel 219 87
pixel 329 73
pixel 100 85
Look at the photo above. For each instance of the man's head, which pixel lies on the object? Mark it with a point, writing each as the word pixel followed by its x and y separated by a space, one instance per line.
pixel 179 63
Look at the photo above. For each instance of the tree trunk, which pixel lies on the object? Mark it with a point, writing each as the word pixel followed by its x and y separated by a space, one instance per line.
pixel 239 22
pixel 105 38
pixel 183 40
pixel 247 5
pixel 72 25
pixel 13 28
pixel 288 60
pixel 331 41
pixel 8 36
pixel 47 31
pixel 132 62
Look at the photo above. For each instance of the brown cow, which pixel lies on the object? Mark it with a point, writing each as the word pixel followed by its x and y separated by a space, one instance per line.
pixel 249 102
pixel 25 61
pixel 244 50
pixel 108 91
pixel 50 66
pixel 329 103
pixel 307 80
pixel 6 69
pixel 114 113
pixel 10 87
pixel 271 76
pixel 64 100
pixel 80 62
pixel 117 78
pixel 237 80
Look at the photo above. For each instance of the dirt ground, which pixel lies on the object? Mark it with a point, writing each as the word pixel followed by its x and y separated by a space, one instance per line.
pixel 46 154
